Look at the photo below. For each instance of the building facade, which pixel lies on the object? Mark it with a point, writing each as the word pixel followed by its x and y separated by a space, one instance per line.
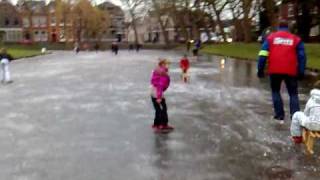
pixel 34 20
pixel 60 27
pixel 290 11
pixel 117 28
pixel 149 30
pixel 10 23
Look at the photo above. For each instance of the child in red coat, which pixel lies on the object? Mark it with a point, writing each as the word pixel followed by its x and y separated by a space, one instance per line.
pixel 184 65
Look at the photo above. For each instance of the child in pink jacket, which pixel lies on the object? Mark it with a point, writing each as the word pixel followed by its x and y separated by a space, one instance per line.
pixel 160 81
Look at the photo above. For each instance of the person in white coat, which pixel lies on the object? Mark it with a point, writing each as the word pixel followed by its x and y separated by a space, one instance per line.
pixel 310 118
pixel 5 59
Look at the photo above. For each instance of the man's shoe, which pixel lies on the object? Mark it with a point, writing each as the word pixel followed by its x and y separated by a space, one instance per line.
pixel 279 119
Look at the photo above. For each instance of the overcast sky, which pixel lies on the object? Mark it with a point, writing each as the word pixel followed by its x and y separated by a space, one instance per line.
pixel 116 2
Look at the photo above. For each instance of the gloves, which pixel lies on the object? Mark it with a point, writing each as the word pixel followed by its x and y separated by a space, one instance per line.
pixel 260 74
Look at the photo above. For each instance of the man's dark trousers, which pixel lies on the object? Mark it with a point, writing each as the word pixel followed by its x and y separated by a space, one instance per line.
pixel 292 87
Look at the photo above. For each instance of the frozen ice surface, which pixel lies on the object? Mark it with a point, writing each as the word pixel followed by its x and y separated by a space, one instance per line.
pixel 88 117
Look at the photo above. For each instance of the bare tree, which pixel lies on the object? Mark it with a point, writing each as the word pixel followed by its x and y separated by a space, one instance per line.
pixel 244 12
pixel 135 10
pixel 218 6
pixel 89 21
pixel 161 9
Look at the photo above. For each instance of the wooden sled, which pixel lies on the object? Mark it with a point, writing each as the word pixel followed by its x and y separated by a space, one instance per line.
pixel 309 138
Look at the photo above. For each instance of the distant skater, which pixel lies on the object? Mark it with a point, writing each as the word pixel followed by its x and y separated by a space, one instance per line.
pixel 138 47
pixel 196 49
pixel 185 65
pixel 160 81
pixel 96 47
pixel 131 47
pixel 189 45
pixel 77 47
pixel 5 60
pixel 115 48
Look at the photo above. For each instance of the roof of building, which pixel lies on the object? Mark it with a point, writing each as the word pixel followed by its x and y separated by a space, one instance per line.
pixel 32 5
pixel 9 16
pixel 112 8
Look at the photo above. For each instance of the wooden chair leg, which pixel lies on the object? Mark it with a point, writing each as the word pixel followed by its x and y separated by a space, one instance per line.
pixel 310 144
pixel 305 135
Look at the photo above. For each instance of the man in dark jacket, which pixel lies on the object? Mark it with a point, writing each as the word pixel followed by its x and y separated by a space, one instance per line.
pixel 286 62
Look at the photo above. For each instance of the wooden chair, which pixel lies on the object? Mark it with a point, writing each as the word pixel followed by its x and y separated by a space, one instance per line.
pixel 308 139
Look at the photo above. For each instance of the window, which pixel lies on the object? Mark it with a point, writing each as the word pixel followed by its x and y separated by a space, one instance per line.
pixel 7 21
pixel 16 21
pixel 53 20
pixel 25 22
pixel 42 21
pixel 35 21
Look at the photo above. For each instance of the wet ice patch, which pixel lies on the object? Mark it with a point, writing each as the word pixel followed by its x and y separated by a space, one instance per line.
pixel 89 106
pixel 196 71
pixel 176 145
pixel 247 94
pixel 89 56
pixel 14 115
pixel 36 152
pixel 121 106
pixel 53 97
pixel 70 77
pixel 41 74
pixel 20 127
pixel 145 169
pixel 197 89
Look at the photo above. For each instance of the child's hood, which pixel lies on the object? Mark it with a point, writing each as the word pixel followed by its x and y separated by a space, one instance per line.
pixel 315 94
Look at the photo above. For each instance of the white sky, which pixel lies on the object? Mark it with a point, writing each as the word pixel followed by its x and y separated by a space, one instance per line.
pixel 116 2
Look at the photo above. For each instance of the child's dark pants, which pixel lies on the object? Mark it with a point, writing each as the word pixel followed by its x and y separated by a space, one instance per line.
pixel 161 115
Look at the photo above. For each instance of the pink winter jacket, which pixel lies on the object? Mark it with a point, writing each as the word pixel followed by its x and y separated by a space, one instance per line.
pixel 160 81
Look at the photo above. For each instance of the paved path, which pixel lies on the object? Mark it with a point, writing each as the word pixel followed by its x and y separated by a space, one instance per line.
pixel 88 117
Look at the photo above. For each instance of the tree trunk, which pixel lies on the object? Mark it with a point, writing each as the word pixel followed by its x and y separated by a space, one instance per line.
pixel 304 21
pixel 221 27
pixel 219 21
pixel 162 26
pixel 136 36
pixel 271 14
pixel 164 32
pixel 247 30
pixel 195 31
pixel 246 22
pixel 208 32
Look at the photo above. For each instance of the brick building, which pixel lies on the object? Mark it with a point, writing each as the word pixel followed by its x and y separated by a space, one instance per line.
pixel 10 23
pixel 34 20
pixel 60 29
